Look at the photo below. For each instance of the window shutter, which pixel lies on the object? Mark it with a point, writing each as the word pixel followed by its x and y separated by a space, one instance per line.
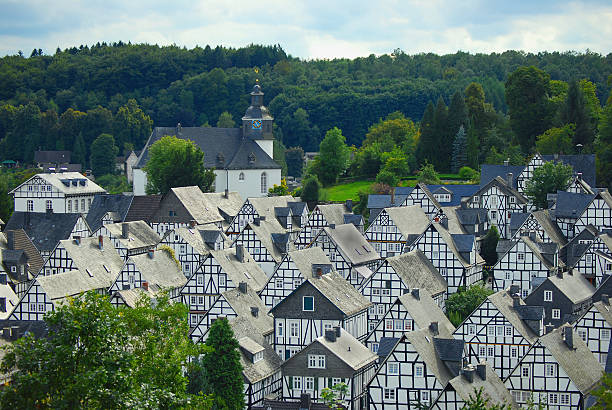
pixel 316 383
pixel 330 382
pixel 290 382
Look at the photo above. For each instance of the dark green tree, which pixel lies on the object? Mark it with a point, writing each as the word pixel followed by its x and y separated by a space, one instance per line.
pixel 574 111
pixel 279 156
pixel 295 161
pixel 459 305
pixel 556 140
pixel 103 155
pixel 78 151
pixel 222 366
pixel 311 188
pixel 428 174
pixel 49 124
pixel 527 92
pixel 443 141
pixel 457 114
pixel 427 149
pixel 488 248
pixel 175 162
pixel 226 120
pixel 6 201
pixel 473 143
pixel 547 179
pixel 460 151
pixel 333 157
pixel 603 147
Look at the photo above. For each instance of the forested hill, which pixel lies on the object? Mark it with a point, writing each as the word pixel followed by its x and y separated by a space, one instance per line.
pixel 193 87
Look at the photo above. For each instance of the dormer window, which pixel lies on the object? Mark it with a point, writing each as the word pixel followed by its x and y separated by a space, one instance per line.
pixel 241 177
pixel 257 357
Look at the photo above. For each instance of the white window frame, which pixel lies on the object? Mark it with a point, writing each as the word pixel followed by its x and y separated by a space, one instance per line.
pixel 30 205
pixel 556 313
pixel 388 394
pixel 308 383
pixel 393 368
pixel 297 382
pixel 316 361
pixel 548 296
pixel 550 370
pixel 419 370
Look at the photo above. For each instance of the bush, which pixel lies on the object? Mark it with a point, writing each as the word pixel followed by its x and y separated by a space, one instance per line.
pixel 311 188
pixel 381 189
pixel 428 175
pixel 387 178
pixel 461 304
pixel 469 174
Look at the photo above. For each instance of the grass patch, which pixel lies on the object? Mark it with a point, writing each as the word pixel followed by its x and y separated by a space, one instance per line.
pixel 342 192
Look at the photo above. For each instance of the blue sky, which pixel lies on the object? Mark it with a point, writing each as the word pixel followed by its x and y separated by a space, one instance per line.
pixel 314 28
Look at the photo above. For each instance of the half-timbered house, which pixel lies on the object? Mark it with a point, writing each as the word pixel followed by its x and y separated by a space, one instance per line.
pixel 595 328
pixel 319 303
pixel 416 370
pixel 523 260
pixel 569 207
pixel 14 245
pixel 589 252
pixel 412 311
pixel 291 272
pixel 227 203
pixel 462 389
pixel 322 216
pixel 352 255
pixel 558 371
pixel 422 197
pixel 393 227
pixel 130 238
pixel 336 357
pixel 565 296
pixel 455 256
pixel 220 271
pixel 500 331
pixel 107 209
pixel 598 213
pixel 397 275
pixel 267 242
pixel 378 202
pixel 541 223
pixel 45 230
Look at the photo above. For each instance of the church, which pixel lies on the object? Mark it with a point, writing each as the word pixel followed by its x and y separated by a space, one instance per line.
pixel 241 157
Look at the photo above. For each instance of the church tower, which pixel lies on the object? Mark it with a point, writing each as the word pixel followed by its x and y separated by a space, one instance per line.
pixel 257 122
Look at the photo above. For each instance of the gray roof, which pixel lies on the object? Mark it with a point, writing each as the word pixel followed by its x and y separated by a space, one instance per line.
pixel 22 241
pixel 583 163
pixel 297 208
pixel 339 292
pixel 471 216
pixel 490 172
pixel 493 388
pixel 517 219
pixel 200 238
pixel 423 342
pixel 571 205
pixel 605 311
pixel 143 208
pixel 409 219
pixel 578 363
pixel 229 206
pixel 104 203
pixel 242 303
pixel 576 287
pixel 196 204
pixel 457 191
pixel 224 148
pixel 88 255
pixel 454 225
pixel 60 157
pixel 424 310
pixel 333 213
pixel 70 183
pixel 463 242
pixel 449 349
pixel 416 271
pixel 44 229
pixel 452 245
pixel 265 367
pixel 386 345
pixel 352 244
pixel 504 245
pixel 140 235
pixel 161 270
pixel 264 206
pixel 542 250
pixel 545 219
pixel 571 253
pixel 356 220
pixel 502 300
pixel 304 259
pixel 268 232
pixel 12 256
pixel 380 201
pixel 247 271
pixel 74 282
pixel 348 349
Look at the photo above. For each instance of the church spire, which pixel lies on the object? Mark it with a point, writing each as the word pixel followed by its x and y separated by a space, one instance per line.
pixel 257 121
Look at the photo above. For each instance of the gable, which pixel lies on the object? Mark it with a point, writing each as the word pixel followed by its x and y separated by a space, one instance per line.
pixel 291 306
pixel 297 365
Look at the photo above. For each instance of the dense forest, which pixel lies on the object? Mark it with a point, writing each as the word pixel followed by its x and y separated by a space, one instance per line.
pixel 66 100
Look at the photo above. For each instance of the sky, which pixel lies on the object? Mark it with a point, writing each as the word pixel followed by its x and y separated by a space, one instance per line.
pixel 313 29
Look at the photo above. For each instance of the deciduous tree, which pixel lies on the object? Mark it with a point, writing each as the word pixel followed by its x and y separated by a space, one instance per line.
pixel 547 179
pixel 103 155
pixel 556 140
pixel 226 120
pixel 333 157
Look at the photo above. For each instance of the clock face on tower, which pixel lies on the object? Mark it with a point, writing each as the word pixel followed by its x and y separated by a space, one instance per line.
pixel 256 124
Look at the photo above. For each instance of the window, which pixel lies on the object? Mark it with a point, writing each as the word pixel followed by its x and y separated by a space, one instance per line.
pixel 512 200
pixel 371 326
pixel 508 275
pixel 182 249
pixel 222 281
pixel 425 396
pixel 520 256
pixel 513 352
pixel 524 293
pixel 336 380
pixel 279 283
pixel 386 292
pixel 482 351
pixel 389 394
pixel 76 205
pixel 374 347
pixel 553 398
pixel 41 307
pixel 398 324
pixel 564 398
pixel 131 279
pixel 199 279
pixel 316 361
pixel 608 267
pixel 381 309
pixel 389 324
pixel 408 325
pixel 605 334
pixel 393 368
pixel 583 334
pixel 491 330
pixel 264 183
pixel 548 295
pixel 33 307
pixel 525 372
pixel 82 204
pixel 494 215
pixel 192 300
pixel 418 370
pixel 279 329
pixel 471 329
pixel 475 199
pixel 556 314
pixel 589 258
pixel 499 331
pixel 296 283
pixel 294 329
pixel 308 303
pixel 490 351
pixel 241 177
pixel 69 206
pixel 194 318
pixel 30 205
pixel 508 330
pixel 494 201
pixel 13 269
pixel 200 300
pixel 550 370
pixel 297 382
pixel 187 267
pixel 376 292
pixel 49 205
pixel 309 383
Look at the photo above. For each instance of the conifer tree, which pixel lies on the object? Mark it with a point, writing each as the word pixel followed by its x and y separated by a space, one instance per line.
pixel 222 366
pixel 441 137
pixel 574 111
pixel 459 151
pixel 427 148
pixel 472 146
pixel 78 151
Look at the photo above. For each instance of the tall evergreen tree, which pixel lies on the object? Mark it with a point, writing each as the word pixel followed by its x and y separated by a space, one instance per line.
pixel 222 366
pixel 442 140
pixel 574 111
pixel 472 146
pixel 460 151
pixel 79 152
pixel 457 114
pixel 103 155
pixel 427 149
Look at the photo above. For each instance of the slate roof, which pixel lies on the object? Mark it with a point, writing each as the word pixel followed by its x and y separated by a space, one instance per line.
pixel 242 304
pixel 199 237
pixel 352 244
pixel 578 363
pixel 247 271
pixel 89 256
pixel 348 349
pixel 409 219
pixel 380 201
pixel 297 208
pixel 268 232
pixel 544 251
pixel 104 203
pixel 490 172
pixel 73 282
pixel 576 287
pixel 424 310
pixel 140 235
pixel 57 181
pixel 471 216
pixel 194 201
pixel 264 206
pixel 229 206
pixel 463 242
pixel 503 301
pixel 333 213
pixel 356 220
pixel 304 259
pixel 545 219
pixel 454 225
pixel 44 229
pixel 493 388
pixel 503 246
pixel 416 271
pixel 458 191
pixel 270 364
pixel 61 157
pixel 386 345
pixel 517 219
pixel 12 256
pixel 422 341
pixel 143 208
pixel 571 253
pixel 571 205
pixel 226 144
pixel 583 163
pixel 452 245
pixel 161 270
pixel 22 241
pixel 449 349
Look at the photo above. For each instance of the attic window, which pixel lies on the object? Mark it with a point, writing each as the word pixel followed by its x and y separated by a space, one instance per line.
pixel 247 275
pixel 366 249
pixel 357 250
pixel 89 273
pixel 251 158
pixel 106 268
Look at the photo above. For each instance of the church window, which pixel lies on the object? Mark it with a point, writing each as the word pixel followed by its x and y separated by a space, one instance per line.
pixel 241 177
pixel 264 183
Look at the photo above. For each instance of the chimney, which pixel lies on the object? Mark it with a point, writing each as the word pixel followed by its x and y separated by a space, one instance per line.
pixel 240 252
pixel 349 205
pixel 77 239
pixel 10 239
pixel 481 369
pixel 145 285
pixel 332 226
pixel 568 332
pixel 514 289
pixel 509 179
pixel 226 193
pixel 507 162
pixel 3 279
pixel 151 253
pixel 605 299
pixel 262 218
pixel 101 242
pixel 393 197
pixel 433 326
pixel 254 311
pixel 560 273
pixel 468 373
pixel 549 328
pixel 405 291
pixel 579 176
pixel 242 287
pixel 256 221
pixel 337 330
pixel 305 401
pixel 125 230
pixel 516 300
pixel 193 223
pixel 330 335
pixel 415 293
